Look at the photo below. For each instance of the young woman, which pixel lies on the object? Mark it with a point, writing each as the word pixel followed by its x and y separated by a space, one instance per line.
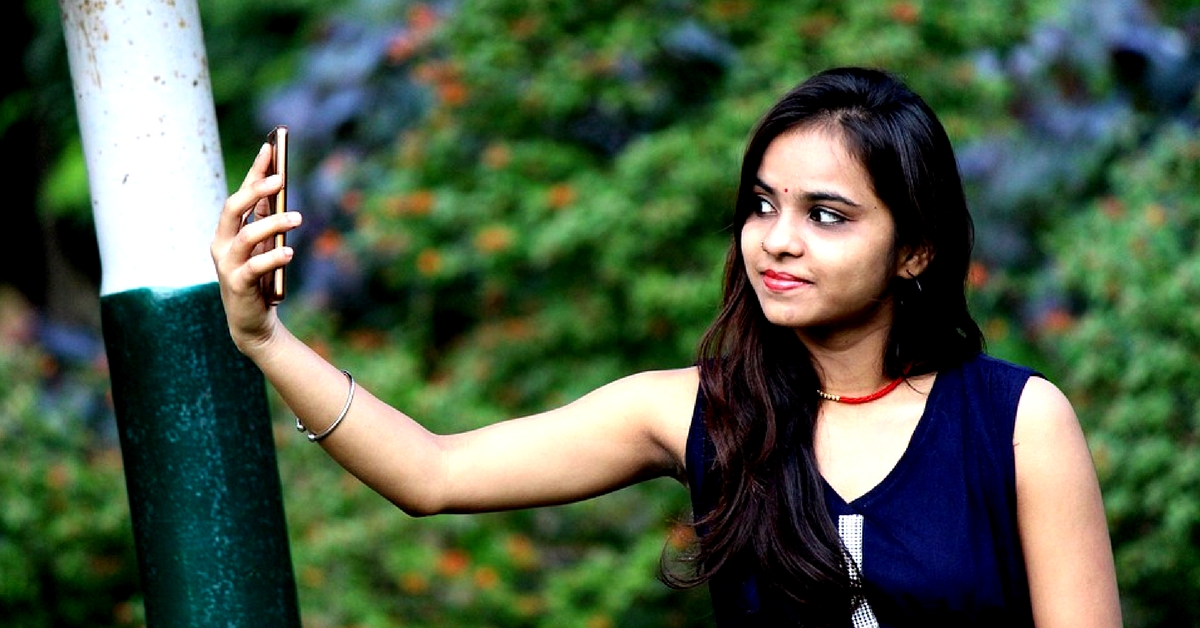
pixel 854 459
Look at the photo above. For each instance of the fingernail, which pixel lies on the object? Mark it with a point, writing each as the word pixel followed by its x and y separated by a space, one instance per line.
pixel 293 218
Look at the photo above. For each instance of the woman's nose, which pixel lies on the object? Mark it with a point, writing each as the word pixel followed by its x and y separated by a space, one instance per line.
pixel 783 238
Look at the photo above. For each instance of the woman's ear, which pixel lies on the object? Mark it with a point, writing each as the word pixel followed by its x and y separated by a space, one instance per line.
pixel 913 262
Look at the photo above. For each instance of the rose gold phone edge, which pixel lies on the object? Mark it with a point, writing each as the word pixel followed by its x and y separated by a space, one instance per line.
pixel 276 288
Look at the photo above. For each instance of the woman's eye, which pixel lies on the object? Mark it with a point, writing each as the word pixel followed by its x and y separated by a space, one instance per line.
pixel 824 216
pixel 764 206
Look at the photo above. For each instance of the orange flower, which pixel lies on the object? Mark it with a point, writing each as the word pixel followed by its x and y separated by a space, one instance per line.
pixel 905 12
pixel 560 196
pixel 105 566
pixel 421 202
pixel 422 17
pixel 496 156
pixel 452 93
pixel 817 25
pixel 414 583
pixel 1057 321
pixel 517 328
pixel 47 366
pixel 599 621
pixel 494 239
pixel 521 551
pixel 123 612
pixel 429 262
pixel 402 47
pixel 726 9
pixel 524 26
pixel 393 206
pixel 434 71
pixel 977 275
pixel 351 200
pixel 453 562
pixel 58 476
pixel 312 577
pixel 486 578
pixel 528 605
pixel 417 203
pixel 327 244
pixel 996 329
pixel 391 244
pixel 366 339
pixel 1112 207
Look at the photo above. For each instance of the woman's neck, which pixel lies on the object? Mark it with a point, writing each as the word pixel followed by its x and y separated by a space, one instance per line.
pixel 849 362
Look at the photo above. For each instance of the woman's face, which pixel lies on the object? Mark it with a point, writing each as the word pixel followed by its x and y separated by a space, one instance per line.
pixel 819 248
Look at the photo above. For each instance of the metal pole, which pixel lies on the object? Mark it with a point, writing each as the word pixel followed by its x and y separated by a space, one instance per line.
pixel 199 457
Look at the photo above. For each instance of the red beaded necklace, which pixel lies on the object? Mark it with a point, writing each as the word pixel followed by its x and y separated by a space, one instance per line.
pixel 864 399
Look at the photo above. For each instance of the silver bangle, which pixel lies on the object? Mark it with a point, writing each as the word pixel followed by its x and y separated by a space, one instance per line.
pixel 312 438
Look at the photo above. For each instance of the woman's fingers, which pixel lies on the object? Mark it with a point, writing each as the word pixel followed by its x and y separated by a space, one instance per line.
pixel 241 264
pixel 242 247
pixel 242 252
pixel 244 229
pixel 260 229
pixel 255 187
pixel 258 169
pixel 246 198
pixel 246 278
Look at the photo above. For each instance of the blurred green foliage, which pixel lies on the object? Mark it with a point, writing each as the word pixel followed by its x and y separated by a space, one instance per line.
pixel 1130 359
pixel 510 203
pixel 66 546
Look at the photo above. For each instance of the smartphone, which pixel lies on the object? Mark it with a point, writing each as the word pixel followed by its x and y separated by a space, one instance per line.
pixel 274 284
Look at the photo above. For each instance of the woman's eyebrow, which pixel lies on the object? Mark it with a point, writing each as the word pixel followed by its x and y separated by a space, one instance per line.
pixel 816 196
pixel 820 196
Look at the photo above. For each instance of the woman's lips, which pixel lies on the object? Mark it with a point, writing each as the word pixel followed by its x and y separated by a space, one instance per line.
pixel 782 282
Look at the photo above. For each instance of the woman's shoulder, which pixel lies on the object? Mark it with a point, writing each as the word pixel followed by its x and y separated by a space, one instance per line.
pixel 988 375
pixel 1045 412
pixel 656 396
pixel 666 383
pixel 987 363
pixel 988 388
pixel 665 400
pixel 1038 407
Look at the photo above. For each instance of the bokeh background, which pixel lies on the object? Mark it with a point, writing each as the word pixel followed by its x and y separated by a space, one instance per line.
pixel 510 202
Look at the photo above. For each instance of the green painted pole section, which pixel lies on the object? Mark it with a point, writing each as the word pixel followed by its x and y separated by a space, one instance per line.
pixel 199 457
pixel 192 412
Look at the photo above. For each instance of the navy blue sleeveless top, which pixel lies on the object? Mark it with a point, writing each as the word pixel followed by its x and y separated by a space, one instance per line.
pixel 936 541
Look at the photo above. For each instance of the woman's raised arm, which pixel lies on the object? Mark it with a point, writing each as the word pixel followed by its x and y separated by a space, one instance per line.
pixel 626 431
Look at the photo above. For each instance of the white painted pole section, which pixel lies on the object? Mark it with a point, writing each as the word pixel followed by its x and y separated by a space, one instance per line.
pixel 144 102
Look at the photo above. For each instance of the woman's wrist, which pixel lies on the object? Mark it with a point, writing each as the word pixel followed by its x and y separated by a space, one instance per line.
pixel 260 348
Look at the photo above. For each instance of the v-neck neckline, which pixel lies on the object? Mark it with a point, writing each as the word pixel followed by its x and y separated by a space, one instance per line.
pixel 897 469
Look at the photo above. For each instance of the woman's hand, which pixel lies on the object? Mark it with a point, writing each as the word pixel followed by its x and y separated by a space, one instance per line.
pixel 242 254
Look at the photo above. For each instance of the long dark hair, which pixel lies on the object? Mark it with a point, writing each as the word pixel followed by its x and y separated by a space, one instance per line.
pixel 758 379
